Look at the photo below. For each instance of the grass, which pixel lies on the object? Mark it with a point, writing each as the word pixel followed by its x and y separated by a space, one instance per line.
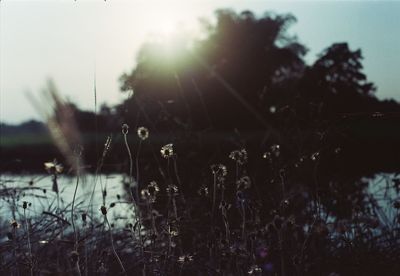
pixel 188 207
pixel 224 224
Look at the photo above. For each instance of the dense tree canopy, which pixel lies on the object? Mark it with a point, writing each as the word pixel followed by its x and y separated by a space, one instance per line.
pixel 220 80
pixel 242 71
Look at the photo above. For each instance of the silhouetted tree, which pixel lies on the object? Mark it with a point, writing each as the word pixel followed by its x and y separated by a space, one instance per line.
pixel 221 80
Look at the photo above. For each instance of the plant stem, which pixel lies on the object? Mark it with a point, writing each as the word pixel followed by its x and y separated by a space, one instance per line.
pixel 29 243
pixel 113 247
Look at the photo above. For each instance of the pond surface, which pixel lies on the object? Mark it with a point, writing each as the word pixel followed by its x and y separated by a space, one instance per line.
pixel 41 196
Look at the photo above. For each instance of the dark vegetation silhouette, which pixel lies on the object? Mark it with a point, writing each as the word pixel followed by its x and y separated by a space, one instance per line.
pixel 305 140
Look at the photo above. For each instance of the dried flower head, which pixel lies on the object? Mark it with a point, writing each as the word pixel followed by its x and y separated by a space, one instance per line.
pixel 167 151
pixel 172 190
pixel 276 150
pixel 145 194
pixel 240 156
pixel 153 188
pixel 314 156
pixel 143 133
pixel 254 270
pixel 243 183
pixel 14 224
pixel 125 129
pixel 185 259
pixel 53 167
pixel 103 210
pixel 219 170
pixel 267 155
pixel 203 191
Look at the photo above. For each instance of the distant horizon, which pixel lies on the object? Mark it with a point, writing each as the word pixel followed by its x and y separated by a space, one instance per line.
pixel 71 42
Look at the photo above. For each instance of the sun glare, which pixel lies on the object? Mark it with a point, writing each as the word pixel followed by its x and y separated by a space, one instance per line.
pixel 173 32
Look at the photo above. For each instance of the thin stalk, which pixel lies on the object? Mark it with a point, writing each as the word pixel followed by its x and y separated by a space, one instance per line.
pixel 130 158
pixel 29 242
pixel 137 168
pixel 113 247
pixel 214 194
pixel 72 212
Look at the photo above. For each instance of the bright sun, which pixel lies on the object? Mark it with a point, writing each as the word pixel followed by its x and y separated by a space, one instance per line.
pixel 172 31
pixel 167 21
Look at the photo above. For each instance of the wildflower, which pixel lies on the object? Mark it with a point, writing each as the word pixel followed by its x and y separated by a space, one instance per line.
pixel 125 129
pixel 285 204
pixel 240 156
pixel 267 155
pixel 143 133
pixel 254 270
pixel 219 170
pixel 172 232
pixel 203 191
pixel 276 150
pixel 172 190
pixel 243 183
pixel 167 151
pixel 53 167
pixel 314 156
pixel 153 188
pixel 145 194
pixel 185 259
pixel 14 224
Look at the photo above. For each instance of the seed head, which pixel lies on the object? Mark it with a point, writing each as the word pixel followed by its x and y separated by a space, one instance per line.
pixel 125 129
pixel 203 191
pixel 185 259
pixel 14 224
pixel 53 167
pixel 143 133
pixel 219 170
pixel 103 210
pixel 153 188
pixel 167 151
pixel 240 156
pixel 243 183
pixel 172 190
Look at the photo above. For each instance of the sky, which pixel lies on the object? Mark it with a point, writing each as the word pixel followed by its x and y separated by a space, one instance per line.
pixel 72 42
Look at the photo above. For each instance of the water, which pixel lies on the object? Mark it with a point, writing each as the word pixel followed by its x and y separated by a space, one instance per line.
pixel 38 192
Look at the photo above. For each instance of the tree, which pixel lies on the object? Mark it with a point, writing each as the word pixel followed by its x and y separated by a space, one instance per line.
pixel 221 80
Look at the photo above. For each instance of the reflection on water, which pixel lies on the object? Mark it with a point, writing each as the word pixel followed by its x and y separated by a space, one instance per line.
pixel 40 195
pixel 382 194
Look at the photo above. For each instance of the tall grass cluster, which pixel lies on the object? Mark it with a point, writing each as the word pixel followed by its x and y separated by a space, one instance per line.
pixel 223 223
